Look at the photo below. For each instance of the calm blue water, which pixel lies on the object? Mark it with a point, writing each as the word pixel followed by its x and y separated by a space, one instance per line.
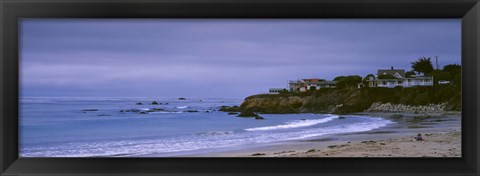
pixel 63 127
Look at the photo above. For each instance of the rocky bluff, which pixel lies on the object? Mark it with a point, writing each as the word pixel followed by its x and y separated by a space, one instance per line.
pixel 350 100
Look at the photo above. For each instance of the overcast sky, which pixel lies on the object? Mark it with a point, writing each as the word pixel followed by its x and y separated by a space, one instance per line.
pixel 217 58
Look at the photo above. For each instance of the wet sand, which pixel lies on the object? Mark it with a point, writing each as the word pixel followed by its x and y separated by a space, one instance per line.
pixel 434 145
pixel 441 138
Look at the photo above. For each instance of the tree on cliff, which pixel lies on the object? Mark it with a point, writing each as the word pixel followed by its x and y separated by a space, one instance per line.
pixel 422 65
pixel 455 72
pixel 409 74
pixel 452 69
pixel 347 81
pixel 439 75
pixel 365 80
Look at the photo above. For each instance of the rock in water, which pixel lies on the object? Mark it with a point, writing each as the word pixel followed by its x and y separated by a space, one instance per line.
pixel 258 154
pixel 229 109
pixel 341 117
pixel 139 103
pixel 90 110
pixel 250 114
pixel 259 118
pixel 181 98
pixel 247 114
pixel 154 103
pixel 232 113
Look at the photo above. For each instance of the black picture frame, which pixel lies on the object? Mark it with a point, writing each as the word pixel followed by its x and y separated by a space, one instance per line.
pixel 13 10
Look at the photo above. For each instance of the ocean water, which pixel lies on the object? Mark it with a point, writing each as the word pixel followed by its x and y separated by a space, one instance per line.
pixel 107 127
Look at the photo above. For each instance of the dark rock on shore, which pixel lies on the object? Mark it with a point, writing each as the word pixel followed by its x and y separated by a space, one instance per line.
pixel 232 113
pixel 390 107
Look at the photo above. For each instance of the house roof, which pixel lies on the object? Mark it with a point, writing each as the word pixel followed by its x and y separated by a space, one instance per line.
pixel 392 72
pixel 313 80
pixel 324 82
pixel 422 77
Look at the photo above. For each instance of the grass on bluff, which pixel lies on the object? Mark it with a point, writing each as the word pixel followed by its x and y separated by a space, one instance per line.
pixel 358 100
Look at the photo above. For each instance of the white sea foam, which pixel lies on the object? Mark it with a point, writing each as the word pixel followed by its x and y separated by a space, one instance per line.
pixel 207 140
pixel 181 107
pixel 295 124
pixel 374 123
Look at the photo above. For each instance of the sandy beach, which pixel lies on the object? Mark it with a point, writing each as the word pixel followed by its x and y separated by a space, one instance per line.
pixel 441 134
pixel 435 145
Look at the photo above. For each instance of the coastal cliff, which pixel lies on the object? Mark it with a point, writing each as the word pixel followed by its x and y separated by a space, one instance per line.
pixel 341 101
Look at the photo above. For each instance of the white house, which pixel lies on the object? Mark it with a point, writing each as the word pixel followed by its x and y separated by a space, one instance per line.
pixel 276 90
pixel 310 84
pixel 396 77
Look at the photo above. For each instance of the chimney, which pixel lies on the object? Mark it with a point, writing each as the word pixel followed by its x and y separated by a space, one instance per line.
pixel 391 68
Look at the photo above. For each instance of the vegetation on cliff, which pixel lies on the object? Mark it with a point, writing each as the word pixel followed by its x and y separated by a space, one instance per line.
pixel 351 100
pixel 347 98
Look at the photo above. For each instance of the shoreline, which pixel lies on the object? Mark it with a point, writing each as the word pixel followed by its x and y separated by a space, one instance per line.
pixel 441 133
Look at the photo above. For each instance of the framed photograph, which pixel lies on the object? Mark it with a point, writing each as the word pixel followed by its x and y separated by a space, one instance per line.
pixel 244 87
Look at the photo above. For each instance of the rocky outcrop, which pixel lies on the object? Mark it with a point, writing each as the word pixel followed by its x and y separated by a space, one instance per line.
pixel 230 109
pixel 248 113
pixel 281 104
pixel 389 107
pixel 273 105
pixel 345 101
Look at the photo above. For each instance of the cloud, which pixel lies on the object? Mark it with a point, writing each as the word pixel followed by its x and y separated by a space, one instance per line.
pixel 233 57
